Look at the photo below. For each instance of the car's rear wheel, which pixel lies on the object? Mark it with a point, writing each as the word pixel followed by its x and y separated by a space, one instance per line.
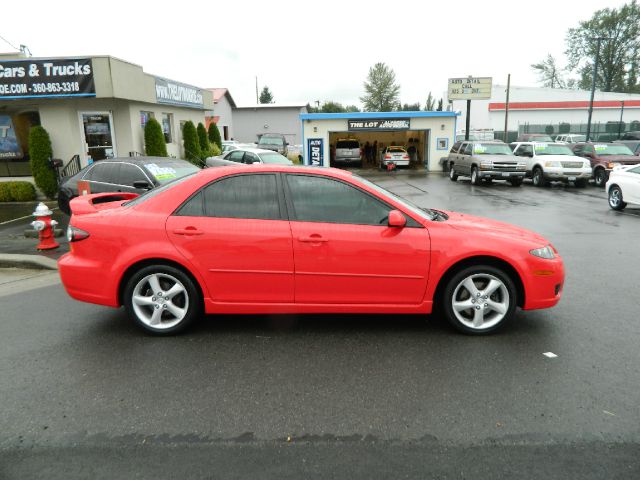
pixel 615 198
pixel 475 176
pixel 538 177
pixel 479 299
pixel 600 177
pixel 453 176
pixel 162 299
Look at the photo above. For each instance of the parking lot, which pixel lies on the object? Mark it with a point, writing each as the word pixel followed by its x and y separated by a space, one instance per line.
pixel 554 394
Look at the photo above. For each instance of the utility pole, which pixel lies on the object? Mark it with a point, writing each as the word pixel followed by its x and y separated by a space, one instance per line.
pixel 593 84
pixel 506 110
pixel 466 132
pixel 620 123
pixel 257 100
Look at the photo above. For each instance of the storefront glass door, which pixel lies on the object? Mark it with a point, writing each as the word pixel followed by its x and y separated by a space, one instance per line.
pixel 97 130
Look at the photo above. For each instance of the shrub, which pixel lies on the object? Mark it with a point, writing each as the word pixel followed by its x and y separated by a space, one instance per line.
pixel 17 191
pixel 154 144
pixel 548 129
pixel 214 135
pixel 40 152
pixel 191 145
pixel 564 127
pixel 202 139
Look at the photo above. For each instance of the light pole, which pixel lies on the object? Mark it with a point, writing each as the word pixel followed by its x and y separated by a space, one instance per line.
pixel 593 83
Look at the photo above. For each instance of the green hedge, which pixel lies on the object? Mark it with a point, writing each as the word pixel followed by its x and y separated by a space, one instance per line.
pixel 17 192
pixel 154 144
pixel 214 135
pixel 191 144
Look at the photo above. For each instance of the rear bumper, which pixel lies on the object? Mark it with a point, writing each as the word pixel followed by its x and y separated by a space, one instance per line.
pixel 87 281
pixel 399 163
pixel 355 159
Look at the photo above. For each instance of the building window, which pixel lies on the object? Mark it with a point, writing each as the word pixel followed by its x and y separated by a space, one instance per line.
pixel 167 129
pixel 144 118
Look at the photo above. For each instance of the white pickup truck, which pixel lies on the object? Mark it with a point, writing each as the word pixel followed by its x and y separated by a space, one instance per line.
pixel 556 162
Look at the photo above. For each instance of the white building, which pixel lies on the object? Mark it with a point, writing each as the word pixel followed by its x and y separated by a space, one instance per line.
pixel 222 112
pixel 251 122
pixel 533 106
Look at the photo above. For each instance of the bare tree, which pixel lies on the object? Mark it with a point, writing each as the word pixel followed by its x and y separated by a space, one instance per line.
pixel 549 73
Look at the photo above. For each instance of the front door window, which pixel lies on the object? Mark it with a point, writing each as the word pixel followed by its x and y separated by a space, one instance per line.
pixel 98 136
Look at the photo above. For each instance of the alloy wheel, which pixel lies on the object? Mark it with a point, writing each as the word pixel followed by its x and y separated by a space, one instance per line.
pixel 480 301
pixel 160 301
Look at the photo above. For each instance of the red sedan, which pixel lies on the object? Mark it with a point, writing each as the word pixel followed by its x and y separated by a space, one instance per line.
pixel 281 239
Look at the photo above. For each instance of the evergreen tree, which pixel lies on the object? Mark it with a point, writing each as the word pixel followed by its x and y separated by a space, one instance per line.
pixel 203 141
pixel 381 90
pixel 214 135
pixel 40 153
pixel 191 144
pixel 266 96
pixel 154 144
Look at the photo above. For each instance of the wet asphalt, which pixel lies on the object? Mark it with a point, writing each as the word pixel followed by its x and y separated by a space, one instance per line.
pixel 84 394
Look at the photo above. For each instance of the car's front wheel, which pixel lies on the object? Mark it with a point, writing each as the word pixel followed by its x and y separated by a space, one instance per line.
pixel 453 176
pixel 615 198
pixel 475 176
pixel 538 177
pixel 600 177
pixel 479 299
pixel 162 299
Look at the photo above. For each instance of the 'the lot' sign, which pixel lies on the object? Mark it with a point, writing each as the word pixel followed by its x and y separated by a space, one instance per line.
pixel 380 124
pixel 469 88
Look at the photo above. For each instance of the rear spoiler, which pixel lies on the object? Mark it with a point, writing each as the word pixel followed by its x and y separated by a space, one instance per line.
pixel 87 203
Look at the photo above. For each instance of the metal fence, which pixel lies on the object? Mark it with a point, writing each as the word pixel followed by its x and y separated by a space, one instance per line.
pixel 599 131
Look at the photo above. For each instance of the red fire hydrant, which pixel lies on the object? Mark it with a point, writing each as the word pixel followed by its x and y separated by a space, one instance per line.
pixel 44 225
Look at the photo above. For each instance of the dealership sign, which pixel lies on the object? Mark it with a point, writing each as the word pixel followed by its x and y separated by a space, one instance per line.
pixel 176 93
pixel 380 124
pixel 70 77
pixel 469 88
pixel 316 152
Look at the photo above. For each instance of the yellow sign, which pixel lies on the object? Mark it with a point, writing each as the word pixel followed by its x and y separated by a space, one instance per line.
pixel 469 88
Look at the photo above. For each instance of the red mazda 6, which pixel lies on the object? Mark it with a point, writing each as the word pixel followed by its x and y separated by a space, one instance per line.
pixel 282 239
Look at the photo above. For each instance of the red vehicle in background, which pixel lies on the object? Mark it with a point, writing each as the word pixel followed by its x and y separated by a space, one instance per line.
pixel 604 158
pixel 285 239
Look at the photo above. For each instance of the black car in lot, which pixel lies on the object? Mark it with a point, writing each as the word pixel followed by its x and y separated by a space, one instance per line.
pixel 128 174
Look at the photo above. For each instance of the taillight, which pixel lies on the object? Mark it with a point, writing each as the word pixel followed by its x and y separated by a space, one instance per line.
pixel 75 234
pixel 405 157
pixel 387 156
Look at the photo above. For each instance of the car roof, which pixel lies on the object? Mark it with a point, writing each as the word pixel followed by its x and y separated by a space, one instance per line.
pixel 274 167
pixel 140 159
pixel 253 150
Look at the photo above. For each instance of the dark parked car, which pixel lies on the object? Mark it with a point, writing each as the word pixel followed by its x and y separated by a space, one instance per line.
pixel 604 157
pixel 135 174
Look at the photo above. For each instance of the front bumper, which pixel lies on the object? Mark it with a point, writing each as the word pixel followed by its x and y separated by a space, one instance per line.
pixel 544 283
pixel 501 175
pixel 567 175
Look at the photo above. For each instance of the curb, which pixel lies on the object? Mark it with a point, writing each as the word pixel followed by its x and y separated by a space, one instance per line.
pixel 33 262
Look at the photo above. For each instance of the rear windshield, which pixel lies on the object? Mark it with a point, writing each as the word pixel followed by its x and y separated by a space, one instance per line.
pixel 491 149
pixel 348 144
pixel 605 149
pixel 275 158
pixel 165 172
pixel 552 149
pixel 270 141
pixel 155 191
pixel 396 150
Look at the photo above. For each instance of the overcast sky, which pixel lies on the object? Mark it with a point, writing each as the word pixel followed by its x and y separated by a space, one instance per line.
pixel 305 51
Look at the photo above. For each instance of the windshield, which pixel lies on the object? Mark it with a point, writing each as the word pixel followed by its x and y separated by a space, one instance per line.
pixel 421 212
pixel 154 191
pixel 552 149
pixel 270 141
pixel 611 149
pixel 491 149
pixel 275 158
pixel 165 172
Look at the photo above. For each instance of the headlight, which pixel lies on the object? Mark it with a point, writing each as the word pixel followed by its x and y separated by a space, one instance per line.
pixel 586 165
pixel 486 164
pixel 544 252
pixel 612 164
pixel 551 163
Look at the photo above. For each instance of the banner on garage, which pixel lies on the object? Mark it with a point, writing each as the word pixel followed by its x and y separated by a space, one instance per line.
pixel 9 147
pixel 469 88
pixel 315 152
pixel 176 93
pixel 380 124
pixel 69 77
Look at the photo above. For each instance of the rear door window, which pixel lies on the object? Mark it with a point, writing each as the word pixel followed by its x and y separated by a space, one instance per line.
pixel 129 173
pixel 236 156
pixel 243 196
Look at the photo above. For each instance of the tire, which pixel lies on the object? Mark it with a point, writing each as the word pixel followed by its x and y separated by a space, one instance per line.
pixel 515 182
pixel 64 197
pixel 467 287
pixel 177 309
pixel 538 178
pixel 600 177
pixel 453 176
pixel 475 178
pixel 615 198
pixel 581 183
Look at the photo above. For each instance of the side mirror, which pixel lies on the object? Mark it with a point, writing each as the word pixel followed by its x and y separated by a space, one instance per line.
pixel 396 219
pixel 142 185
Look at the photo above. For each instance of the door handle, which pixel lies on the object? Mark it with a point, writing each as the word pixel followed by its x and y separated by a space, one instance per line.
pixel 313 239
pixel 189 231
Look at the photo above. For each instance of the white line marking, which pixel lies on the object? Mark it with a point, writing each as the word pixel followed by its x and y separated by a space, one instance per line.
pixel 22 218
pixel 609 413
pixel 550 354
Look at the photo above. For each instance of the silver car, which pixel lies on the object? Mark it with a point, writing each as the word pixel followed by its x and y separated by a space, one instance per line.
pixel 486 161
pixel 247 156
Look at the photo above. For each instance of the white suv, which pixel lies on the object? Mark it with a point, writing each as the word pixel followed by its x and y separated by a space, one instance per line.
pixel 570 138
pixel 552 162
